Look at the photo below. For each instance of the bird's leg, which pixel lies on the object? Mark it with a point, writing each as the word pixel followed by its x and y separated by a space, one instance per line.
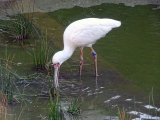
pixel 95 61
pixel 81 61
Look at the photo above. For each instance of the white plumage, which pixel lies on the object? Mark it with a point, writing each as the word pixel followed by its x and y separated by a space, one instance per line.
pixel 82 33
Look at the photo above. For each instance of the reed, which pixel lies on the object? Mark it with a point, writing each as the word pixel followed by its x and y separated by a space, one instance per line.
pixel 122 115
pixel 3 111
pixel 19 29
pixel 56 112
pixel 21 26
pixel 41 53
pixel 7 79
pixel 151 101
pixel 8 89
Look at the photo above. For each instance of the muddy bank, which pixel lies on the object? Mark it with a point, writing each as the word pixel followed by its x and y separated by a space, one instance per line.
pixel 10 7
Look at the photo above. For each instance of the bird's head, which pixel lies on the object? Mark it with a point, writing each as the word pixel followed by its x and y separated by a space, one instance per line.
pixel 57 60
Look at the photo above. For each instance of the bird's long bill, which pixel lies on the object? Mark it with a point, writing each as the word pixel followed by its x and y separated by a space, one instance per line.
pixel 56 75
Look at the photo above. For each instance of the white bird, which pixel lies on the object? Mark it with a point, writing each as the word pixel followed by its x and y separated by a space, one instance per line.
pixel 82 33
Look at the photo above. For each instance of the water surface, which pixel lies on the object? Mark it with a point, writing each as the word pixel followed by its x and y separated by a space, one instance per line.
pixel 128 63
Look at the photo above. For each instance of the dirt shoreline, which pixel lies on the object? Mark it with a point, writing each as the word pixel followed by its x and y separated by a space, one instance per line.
pixel 8 6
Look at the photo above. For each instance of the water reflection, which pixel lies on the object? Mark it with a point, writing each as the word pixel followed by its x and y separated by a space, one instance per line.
pixel 96 97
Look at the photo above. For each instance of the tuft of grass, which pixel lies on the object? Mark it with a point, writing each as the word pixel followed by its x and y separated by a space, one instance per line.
pixel 21 26
pixel 8 90
pixel 41 53
pixel 19 29
pixel 74 109
pixel 7 79
pixel 122 114
pixel 56 112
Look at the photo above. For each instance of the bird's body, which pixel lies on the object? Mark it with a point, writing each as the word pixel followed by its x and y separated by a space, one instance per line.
pixel 83 33
pixel 86 32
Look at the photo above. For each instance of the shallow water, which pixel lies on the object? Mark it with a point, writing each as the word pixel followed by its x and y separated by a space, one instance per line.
pixel 128 65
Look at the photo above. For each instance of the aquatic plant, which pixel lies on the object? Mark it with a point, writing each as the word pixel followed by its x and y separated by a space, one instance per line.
pixel 74 110
pixel 7 86
pixel 20 26
pixel 7 90
pixel 41 53
pixel 19 29
pixel 56 112
pixel 3 111
pixel 151 101
pixel 122 114
pixel 7 79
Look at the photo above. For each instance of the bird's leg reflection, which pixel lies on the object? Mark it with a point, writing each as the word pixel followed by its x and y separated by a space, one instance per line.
pixel 81 61
pixel 87 88
pixel 95 61
pixel 82 93
pixel 96 85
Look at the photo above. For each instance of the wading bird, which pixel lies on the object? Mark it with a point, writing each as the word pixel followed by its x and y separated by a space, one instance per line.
pixel 82 33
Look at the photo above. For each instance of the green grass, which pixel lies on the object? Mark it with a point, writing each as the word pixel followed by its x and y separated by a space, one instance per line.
pixel 7 88
pixel 56 112
pixel 7 80
pixel 74 110
pixel 41 53
pixel 20 26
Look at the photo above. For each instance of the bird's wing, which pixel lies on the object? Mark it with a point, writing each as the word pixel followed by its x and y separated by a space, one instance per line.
pixel 85 35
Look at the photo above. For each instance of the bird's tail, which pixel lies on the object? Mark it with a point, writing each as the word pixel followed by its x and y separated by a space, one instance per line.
pixel 117 23
pixel 112 23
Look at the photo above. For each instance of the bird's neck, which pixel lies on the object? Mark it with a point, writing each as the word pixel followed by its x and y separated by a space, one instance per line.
pixel 66 53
